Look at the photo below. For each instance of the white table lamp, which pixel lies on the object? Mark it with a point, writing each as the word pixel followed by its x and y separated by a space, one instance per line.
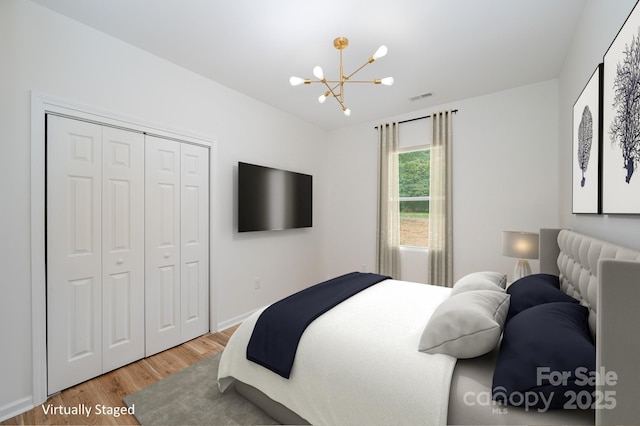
pixel 523 246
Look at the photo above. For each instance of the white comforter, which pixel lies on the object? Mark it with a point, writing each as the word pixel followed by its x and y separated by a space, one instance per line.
pixel 358 363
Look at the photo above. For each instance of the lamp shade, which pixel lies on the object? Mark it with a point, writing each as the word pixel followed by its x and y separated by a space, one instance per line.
pixel 522 245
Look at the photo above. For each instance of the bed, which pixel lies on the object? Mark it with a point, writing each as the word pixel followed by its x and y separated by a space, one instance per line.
pixel 359 362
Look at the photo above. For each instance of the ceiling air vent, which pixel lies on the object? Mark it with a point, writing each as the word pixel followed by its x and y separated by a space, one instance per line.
pixel 422 96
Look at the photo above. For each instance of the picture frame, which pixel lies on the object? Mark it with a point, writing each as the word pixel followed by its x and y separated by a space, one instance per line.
pixel 621 121
pixel 587 142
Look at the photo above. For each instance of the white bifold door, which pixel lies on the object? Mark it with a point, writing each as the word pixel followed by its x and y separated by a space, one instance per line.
pixel 177 243
pixel 127 247
pixel 95 250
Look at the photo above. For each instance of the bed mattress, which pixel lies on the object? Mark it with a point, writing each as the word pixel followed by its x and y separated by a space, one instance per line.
pixel 358 363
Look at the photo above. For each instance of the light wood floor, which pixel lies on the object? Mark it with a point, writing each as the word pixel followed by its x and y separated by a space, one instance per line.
pixel 110 388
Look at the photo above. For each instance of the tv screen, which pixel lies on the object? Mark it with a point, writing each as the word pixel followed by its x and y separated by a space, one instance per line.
pixel 273 199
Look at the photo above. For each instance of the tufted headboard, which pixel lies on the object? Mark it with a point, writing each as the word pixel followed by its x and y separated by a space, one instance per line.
pixel 578 261
pixel 605 277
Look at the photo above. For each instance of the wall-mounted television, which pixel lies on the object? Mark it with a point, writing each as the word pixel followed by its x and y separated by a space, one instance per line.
pixel 272 199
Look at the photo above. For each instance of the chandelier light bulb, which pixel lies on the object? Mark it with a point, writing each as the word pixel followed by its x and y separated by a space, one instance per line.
pixel 387 81
pixel 347 111
pixel 296 81
pixel 382 51
pixel 317 71
pixel 322 98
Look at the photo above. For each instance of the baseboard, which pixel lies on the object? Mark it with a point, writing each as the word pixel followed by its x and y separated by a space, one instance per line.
pixel 14 408
pixel 233 321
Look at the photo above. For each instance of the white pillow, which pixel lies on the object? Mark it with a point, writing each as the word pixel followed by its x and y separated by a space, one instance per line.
pixel 466 325
pixel 485 280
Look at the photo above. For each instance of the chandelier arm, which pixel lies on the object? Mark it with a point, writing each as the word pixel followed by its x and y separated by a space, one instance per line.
pixel 353 73
pixel 332 92
pixel 328 81
pixel 375 81
pixel 341 102
pixel 336 86
pixel 342 80
pixel 337 97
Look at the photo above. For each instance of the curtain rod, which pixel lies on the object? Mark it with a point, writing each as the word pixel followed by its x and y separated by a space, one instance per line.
pixel 419 118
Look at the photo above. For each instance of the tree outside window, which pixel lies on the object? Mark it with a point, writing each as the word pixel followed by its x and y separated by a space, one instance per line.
pixel 414 181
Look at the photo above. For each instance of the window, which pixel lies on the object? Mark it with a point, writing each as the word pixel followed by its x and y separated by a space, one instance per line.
pixel 414 170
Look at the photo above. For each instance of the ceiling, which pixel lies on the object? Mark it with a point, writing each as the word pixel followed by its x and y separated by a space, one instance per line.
pixel 454 49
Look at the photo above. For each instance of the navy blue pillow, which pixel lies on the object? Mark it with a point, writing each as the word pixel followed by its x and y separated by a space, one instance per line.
pixel 534 290
pixel 546 356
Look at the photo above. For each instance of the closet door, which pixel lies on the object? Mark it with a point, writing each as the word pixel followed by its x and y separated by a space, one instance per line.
pixel 195 241
pixel 122 247
pixel 162 228
pixel 74 273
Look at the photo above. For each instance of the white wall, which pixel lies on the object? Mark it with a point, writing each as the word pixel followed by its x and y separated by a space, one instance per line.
pixel 505 174
pixel 600 22
pixel 48 53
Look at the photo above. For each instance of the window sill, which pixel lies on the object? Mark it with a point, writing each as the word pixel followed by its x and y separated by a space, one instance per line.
pixel 415 249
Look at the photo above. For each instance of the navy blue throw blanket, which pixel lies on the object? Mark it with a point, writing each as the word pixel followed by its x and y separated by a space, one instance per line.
pixel 277 332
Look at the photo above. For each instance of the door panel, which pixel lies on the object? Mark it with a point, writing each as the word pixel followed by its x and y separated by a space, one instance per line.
pixel 191 279
pixel 118 311
pixel 122 247
pixel 81 318
pixel 195 241
pixel 167 288
pixel 82 215
pixel 74 297
pixel 168 230
pixel 162 225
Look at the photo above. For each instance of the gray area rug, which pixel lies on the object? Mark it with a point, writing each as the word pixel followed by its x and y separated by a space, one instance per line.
pixel 191 397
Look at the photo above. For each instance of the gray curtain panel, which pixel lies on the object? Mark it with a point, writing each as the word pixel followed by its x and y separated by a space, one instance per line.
pixel 440 207
pixel 388 204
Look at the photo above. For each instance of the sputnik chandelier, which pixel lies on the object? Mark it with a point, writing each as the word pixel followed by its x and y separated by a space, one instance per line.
pixel 337 91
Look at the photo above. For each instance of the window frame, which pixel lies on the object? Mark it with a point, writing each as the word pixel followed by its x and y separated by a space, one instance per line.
pixel 405 150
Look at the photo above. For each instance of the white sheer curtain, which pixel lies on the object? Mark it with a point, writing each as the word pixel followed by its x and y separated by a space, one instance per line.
pixel 440 205
pixel 388 204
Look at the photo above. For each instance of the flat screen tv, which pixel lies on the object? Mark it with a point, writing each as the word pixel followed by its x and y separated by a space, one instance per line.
pixel 273 199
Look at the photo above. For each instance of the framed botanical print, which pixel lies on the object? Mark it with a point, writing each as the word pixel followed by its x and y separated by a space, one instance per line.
pixel 621 120
pixel 587 138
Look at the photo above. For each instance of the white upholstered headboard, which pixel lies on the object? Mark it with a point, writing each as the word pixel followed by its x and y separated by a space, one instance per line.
pixel 577 265
pixel 605 277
